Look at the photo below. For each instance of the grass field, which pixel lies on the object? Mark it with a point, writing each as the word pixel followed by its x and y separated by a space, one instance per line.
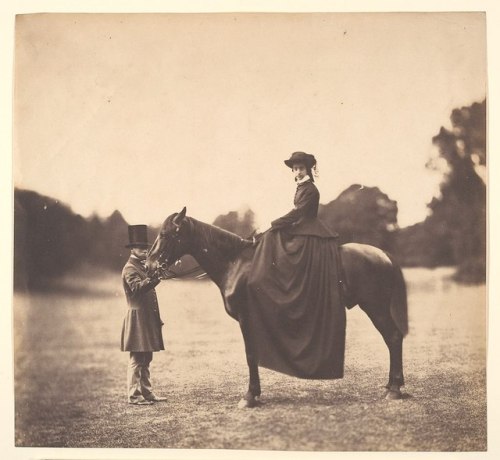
pixel 70 376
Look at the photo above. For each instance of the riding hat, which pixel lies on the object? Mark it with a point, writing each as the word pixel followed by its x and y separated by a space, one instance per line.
pixel 301 157
pixel 138 236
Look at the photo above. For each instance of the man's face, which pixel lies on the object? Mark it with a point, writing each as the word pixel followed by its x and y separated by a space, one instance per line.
pixel 140 253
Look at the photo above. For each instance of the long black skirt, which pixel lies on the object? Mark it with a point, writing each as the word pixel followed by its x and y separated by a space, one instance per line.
pixel 296 316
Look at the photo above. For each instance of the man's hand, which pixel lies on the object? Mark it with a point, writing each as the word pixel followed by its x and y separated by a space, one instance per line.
pixel 154 277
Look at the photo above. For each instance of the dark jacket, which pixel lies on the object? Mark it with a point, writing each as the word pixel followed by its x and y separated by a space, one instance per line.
pixel 303 218
pixel 142 325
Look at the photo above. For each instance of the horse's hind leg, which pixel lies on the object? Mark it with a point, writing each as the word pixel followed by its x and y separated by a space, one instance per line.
pixel 382 320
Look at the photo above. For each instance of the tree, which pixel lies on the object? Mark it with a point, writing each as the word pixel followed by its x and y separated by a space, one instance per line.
pixel 424 245
pixel 50 240
pixel 107 240
pixel 362 215
pixel 243 226
pixel 460 210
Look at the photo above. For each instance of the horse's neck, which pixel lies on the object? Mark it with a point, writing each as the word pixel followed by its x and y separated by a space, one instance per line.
pixel 214 248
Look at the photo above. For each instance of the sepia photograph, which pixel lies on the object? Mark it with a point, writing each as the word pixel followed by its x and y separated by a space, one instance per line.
pixel 252 232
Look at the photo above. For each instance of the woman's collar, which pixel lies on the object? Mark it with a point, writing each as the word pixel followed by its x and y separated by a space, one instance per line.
pixel 304 179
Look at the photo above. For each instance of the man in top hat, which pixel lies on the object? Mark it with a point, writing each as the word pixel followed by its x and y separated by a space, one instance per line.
pixel 141 331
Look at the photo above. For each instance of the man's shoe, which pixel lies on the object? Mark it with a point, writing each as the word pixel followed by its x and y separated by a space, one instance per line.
pixel 154 398
pixel 141 402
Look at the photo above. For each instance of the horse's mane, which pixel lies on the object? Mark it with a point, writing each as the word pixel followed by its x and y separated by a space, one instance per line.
pixel 216 237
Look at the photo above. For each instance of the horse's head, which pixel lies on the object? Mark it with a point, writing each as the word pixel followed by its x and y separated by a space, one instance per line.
pixel 170 244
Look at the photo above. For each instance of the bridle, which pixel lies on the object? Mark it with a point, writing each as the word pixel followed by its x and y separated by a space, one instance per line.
pixel 163 262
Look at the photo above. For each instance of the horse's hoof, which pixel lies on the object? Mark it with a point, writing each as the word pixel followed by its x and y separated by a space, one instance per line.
pixel 393 395
pixel 247 403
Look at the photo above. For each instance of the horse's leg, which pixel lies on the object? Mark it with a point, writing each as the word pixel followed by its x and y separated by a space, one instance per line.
pixel 382 320
pixel 250 398
pixel 377 285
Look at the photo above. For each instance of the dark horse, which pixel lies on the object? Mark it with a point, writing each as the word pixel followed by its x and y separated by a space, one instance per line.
pixel 373 281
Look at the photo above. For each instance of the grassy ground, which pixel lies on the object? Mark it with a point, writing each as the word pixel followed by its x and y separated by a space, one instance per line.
pixel 70 376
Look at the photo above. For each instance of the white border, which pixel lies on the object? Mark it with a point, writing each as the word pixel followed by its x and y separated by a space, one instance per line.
pixel 7 18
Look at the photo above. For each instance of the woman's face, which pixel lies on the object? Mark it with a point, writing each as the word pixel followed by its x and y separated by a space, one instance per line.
pixel 299 171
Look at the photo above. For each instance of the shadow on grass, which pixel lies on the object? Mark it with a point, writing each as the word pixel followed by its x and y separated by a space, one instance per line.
pixel 67 290
pixel 86 281
pixel 312 399
pixel 72 285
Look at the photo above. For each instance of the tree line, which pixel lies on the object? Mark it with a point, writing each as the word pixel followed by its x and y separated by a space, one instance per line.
pixel 50 239
pixel 454 233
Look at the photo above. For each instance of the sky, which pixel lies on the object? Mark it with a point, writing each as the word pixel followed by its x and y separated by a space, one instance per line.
pixel 149 113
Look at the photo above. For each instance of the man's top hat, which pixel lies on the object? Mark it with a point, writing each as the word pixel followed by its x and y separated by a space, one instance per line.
pixel 138 236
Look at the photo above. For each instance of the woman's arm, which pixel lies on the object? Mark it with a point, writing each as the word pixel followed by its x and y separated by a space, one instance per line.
pixel 307 198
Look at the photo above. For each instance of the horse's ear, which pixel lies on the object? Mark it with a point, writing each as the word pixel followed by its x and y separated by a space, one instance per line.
pixel 179 217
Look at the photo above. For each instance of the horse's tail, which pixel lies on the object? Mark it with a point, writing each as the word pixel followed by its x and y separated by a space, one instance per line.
pixel 399 299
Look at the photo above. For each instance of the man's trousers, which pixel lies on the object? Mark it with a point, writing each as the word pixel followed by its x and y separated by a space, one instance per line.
pixel 138 376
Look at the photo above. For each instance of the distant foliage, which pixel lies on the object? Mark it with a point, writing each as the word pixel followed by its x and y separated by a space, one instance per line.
pixel 108 238
pixel 50 240
pixel 362 215
pixel 462 205
pixel 243 226
pixel 423 245
pixel 455 231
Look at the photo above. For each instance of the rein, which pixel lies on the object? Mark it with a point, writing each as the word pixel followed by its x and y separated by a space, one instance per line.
pixel 168 274
pixel 207 235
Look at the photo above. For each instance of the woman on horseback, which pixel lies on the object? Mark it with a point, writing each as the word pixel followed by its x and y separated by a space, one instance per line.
pixel 303 218
pixel 295 310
